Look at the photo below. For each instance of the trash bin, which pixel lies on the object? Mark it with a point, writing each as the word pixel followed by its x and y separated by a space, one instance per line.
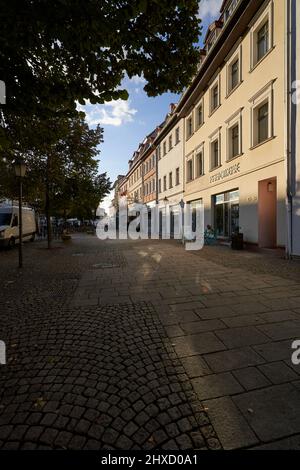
pixel 237 241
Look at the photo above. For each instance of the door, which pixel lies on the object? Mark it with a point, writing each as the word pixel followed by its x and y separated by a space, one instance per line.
pixel 267 208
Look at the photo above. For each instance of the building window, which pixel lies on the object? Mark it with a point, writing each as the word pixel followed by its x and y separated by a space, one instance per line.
pixel 170 180
pixel 214 158
pixel 199 164
pixel 200 117
pixel 214 98
pixel 234 141
pixel 262 36
pixel 157 153
pixel 262 114
pixel 263 123
pixel 170 142
pixel 177 177
pixel 153 185
pixel 262 41
pixel 189 127
pixel 159 185
pixel 164 148
pixel 165 183
pixel 234 75
pixel 189 170
pixel 177 136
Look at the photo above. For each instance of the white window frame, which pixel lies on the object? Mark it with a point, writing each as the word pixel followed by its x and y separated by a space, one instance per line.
pixel 165 148
pixel 197 124
pixel 236 56
pixel 216 136
pixel 190 158
pixel 171 180
pixel 177 135
pixel 266 15
pixel 235 119
pixel 217 82
pixel 190 116
pixel 198 150
pixel 177 172
pixel 265 95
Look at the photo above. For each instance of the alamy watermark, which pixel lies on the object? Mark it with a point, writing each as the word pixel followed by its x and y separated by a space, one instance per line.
pixel 296 353
pixel 2 353
pixel 137 221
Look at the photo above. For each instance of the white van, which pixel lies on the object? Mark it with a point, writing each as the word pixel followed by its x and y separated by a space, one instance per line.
pixel 9 225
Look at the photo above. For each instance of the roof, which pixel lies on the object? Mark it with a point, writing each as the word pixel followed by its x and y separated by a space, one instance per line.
pixel 216 24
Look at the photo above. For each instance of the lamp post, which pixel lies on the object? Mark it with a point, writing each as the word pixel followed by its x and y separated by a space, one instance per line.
pixel 20 170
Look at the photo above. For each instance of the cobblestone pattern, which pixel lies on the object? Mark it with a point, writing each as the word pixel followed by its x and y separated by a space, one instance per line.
pixel 97 378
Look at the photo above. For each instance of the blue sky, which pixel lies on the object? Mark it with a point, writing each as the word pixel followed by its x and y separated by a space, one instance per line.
pixel 126 123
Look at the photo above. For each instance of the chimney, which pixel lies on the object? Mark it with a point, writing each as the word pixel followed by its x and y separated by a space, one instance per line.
pixel 172 108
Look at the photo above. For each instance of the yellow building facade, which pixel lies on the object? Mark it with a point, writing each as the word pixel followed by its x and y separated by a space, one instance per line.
pixel 234 113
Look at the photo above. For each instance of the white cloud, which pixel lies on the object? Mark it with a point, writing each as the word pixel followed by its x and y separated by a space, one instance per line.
pixel 112 113
pixel 209 8
pixel 138 80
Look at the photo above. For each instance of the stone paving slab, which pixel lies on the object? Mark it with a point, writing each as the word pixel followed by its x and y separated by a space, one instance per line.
pixel 251 378
pixel 150 354
pixel 216 385
pixel 191 345
pixel 238 337
pixel 234 359
pixel 272 412
pixel 232 429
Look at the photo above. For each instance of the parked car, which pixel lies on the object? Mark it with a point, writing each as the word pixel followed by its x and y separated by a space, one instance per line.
pixel 9 225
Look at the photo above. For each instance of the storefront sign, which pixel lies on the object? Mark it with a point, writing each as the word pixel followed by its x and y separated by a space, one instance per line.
pixel 225 173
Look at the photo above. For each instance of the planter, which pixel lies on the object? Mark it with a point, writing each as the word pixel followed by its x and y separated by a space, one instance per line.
pixel 237 241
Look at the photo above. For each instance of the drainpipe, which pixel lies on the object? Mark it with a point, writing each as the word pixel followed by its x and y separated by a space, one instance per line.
pixel 288 156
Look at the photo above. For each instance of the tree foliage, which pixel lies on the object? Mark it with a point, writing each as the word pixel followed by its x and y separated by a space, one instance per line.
pixel 53 53
pixel 61 159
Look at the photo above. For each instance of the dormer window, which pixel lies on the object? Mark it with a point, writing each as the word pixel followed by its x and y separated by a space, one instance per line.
pixel 230 9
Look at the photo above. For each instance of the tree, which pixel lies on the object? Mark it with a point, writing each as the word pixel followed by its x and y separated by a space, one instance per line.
pixel 61 157
pixel 55 53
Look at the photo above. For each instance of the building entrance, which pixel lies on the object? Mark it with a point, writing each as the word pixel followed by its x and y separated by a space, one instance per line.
pixel 226 213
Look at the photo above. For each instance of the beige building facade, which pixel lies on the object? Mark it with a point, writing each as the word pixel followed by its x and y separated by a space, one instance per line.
pixel 135 179
pixel 170 144
pixel 234 113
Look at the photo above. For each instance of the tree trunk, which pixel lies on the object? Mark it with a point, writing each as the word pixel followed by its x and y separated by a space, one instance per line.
pixel 47 204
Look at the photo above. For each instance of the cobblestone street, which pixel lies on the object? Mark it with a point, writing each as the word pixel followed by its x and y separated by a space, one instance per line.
pixel 143 345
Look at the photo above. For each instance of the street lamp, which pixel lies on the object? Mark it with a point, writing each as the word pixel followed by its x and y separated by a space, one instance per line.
pixel 20 171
